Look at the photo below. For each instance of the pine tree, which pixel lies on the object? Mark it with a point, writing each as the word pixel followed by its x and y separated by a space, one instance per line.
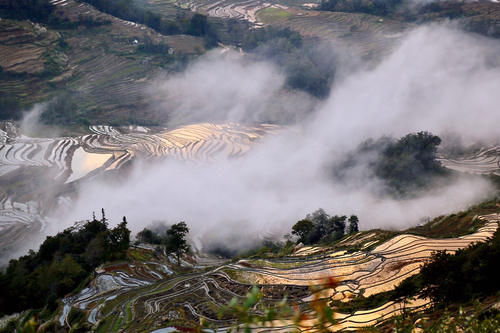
pixel 353 224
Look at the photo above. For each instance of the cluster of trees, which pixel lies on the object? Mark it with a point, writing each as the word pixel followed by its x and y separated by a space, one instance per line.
pixel 473 271
pixel 174 240
pixel 321 227
pixel 405 166
pixel 409 164
pixel 258 37
pixel 374 7
pixel 64 110
pixel 306 66
pixel 61 264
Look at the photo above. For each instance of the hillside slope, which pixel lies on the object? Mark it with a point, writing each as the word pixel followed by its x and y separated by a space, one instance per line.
pixel 97 68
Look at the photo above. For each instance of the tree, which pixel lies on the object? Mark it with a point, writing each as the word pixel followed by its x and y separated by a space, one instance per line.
pixel 61 264
pixel 302 229
pixel 338 224
pixel 175 241
pixel 353 224
pixel 120 239
pixel 149 236
pixel 410 163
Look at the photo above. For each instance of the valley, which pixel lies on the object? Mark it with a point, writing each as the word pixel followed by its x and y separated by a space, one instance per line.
pixel 215 137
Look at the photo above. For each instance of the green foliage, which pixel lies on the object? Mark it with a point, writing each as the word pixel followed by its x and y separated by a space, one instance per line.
pixel 271 15
pixel 410 163
pixel 406 166
pixel 302 229
pixel 353 224
pixel 253 311
pixel 260 37
pixel 473 320
pixel 456 225
pixel 199 26
pixel 473 271
pixel 150 237
pixel 175 240
pixel 305 66
pixel 62 262
pixel 64 110
pixel 321 227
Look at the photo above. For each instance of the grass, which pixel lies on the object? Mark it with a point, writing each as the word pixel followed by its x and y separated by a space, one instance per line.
pixel 455 225
pixel 272 15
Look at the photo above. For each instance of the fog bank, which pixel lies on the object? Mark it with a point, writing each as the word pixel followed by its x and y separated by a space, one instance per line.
pixel 438 79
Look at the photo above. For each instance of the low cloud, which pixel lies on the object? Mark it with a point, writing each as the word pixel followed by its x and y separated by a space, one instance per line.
pixel 227 86
pixel 438 79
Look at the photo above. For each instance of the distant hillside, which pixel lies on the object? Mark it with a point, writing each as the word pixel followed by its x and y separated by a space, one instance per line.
pixel 98 62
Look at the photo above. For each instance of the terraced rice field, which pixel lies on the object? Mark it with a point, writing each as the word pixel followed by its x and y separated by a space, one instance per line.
pixel 133 296
pixel 99 67
pixel 366 35
pixel 108 148
pixel 38 172
pixel 241 10
pixel 485 162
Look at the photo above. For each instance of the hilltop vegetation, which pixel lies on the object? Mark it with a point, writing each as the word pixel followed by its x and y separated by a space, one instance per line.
pixel 405 166
pixel 319 227
pixel 62 263
pixel 173 241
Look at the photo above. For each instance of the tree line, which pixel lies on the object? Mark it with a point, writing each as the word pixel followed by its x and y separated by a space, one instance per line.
pixel 173 240
pixel 405 166
pixel 319 227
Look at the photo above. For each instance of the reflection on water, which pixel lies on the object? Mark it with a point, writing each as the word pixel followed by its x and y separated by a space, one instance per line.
pixel 84 162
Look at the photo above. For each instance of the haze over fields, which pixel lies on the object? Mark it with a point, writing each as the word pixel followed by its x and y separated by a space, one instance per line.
pixel 419 86
pixel 159 158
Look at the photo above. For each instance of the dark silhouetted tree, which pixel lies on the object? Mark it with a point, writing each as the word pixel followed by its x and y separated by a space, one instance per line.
pixel 353 224
pixel 175 241
pixel 302 229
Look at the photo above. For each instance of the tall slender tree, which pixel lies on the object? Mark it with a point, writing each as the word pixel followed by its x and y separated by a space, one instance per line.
pixel 175 240
pixel 353 224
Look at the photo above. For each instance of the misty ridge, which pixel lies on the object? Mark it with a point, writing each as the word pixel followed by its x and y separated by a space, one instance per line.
pixel 438 79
